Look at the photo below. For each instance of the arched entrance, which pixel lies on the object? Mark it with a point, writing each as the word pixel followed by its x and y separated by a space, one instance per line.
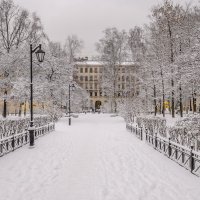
pixel 97 105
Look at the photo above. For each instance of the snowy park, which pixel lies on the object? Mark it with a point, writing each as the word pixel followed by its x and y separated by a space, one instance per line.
pixel 95 158
pixel 99 100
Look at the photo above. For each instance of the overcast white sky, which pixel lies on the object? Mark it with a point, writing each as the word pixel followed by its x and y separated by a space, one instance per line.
pixel 88 18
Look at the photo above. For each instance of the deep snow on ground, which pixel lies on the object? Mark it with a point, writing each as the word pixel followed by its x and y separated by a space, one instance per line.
pixel 94 159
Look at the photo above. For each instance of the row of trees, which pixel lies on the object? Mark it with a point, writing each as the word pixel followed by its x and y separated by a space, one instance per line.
pixel 166 53
pixel 19 29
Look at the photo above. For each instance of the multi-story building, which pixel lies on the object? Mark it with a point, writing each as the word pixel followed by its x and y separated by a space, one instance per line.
pixel 88 74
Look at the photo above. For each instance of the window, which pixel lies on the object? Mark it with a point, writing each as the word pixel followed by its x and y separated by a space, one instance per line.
pixel 127 78
pixel 100 70
pixel 91 86
pixel 86 86
pixel 100 93
pixel 95 70
pixel 95 86
pixel 86 70
pixel 119 87
pixel 123 78
pixel 91 70
pixel 91 94
pixel 81 78
pixel 122 86
pixel 95 94
pixel 119 78
pixel 81 70
pixel 91 78
pixel 123 70
pixel 86 78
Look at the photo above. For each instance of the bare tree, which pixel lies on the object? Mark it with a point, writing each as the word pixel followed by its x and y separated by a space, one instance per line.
pixel 73 47
pixel 113 50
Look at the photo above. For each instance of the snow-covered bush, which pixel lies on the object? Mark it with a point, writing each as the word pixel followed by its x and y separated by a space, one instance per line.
pixel 15 126
pixel 187 131
pixel 153 124
pixel 130 108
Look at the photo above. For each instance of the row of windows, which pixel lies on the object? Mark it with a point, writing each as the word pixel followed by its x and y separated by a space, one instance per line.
pixel 95 70
pixel 119 94
pixel 89 86
pixel 95 94
pixel 96 86
pixel 90 70
pixel 128 78
pixel 91 78
pixel 88 78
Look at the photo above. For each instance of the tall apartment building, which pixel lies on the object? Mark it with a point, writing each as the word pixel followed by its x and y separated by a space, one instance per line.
pixel 88 74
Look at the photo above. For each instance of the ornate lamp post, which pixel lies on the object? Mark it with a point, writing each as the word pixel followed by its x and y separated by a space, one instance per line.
pixel 5 104
pixel 71 87
pixel 40 56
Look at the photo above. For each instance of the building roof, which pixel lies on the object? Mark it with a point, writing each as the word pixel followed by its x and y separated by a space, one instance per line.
pixel 91 62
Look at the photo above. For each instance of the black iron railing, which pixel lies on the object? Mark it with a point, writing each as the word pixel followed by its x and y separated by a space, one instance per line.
pixel 11 143
pixel 185 157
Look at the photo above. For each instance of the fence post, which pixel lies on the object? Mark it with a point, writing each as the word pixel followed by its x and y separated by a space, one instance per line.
pixel 146 132
pixel 156 142
pixel 149 138
pixel 1 148
pixel 192 159
pixel 13 142
pixel 169 148
pixel 136 130
pixel 26 137
pixel 141 134
pixel 183 156
pixel 152 138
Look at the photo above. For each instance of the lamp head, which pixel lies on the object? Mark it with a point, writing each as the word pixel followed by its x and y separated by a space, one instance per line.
pixel 40 54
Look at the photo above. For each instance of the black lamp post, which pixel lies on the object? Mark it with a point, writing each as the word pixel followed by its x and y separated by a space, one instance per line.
pixel 71 87
pixel 40 56
pixel 5 104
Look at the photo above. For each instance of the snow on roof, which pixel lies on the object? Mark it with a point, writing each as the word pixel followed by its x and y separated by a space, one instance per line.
pixel 91 62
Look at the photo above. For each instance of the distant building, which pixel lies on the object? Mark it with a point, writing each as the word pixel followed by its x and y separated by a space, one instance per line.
pixel 88 74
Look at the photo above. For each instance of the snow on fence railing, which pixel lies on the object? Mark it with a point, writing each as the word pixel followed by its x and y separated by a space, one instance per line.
pixel 11 143
pixel 8 127
pixel 184 156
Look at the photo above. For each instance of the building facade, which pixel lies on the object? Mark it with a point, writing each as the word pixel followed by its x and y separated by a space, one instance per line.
pixel 88 74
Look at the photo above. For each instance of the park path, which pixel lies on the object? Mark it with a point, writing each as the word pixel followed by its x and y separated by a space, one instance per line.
pixel 94 159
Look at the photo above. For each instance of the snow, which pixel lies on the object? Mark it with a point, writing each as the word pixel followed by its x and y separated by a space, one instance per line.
pixel 95 158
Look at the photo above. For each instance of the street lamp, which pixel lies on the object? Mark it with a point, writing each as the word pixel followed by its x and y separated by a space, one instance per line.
pixel 71 87
pixel 40 56
pixel 5 104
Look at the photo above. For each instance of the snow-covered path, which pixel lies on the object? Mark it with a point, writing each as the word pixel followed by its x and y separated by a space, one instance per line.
pixel 94 159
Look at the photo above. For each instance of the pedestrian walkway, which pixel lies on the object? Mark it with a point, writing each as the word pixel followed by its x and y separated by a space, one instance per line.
pixel 93 159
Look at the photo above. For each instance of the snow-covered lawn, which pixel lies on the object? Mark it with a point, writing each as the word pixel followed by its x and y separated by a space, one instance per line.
pixel 94 159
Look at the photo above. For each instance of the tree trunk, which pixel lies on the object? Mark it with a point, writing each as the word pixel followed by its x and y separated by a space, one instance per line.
pixel 190 104
pixel 181 101
pixel 155 102
pixel 172 71
pixel 194 103
pixel 24 108
pixel 20 109
pixel 163 93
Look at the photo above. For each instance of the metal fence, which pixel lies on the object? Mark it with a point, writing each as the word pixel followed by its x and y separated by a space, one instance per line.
pixel 11 143
pixel 185 157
